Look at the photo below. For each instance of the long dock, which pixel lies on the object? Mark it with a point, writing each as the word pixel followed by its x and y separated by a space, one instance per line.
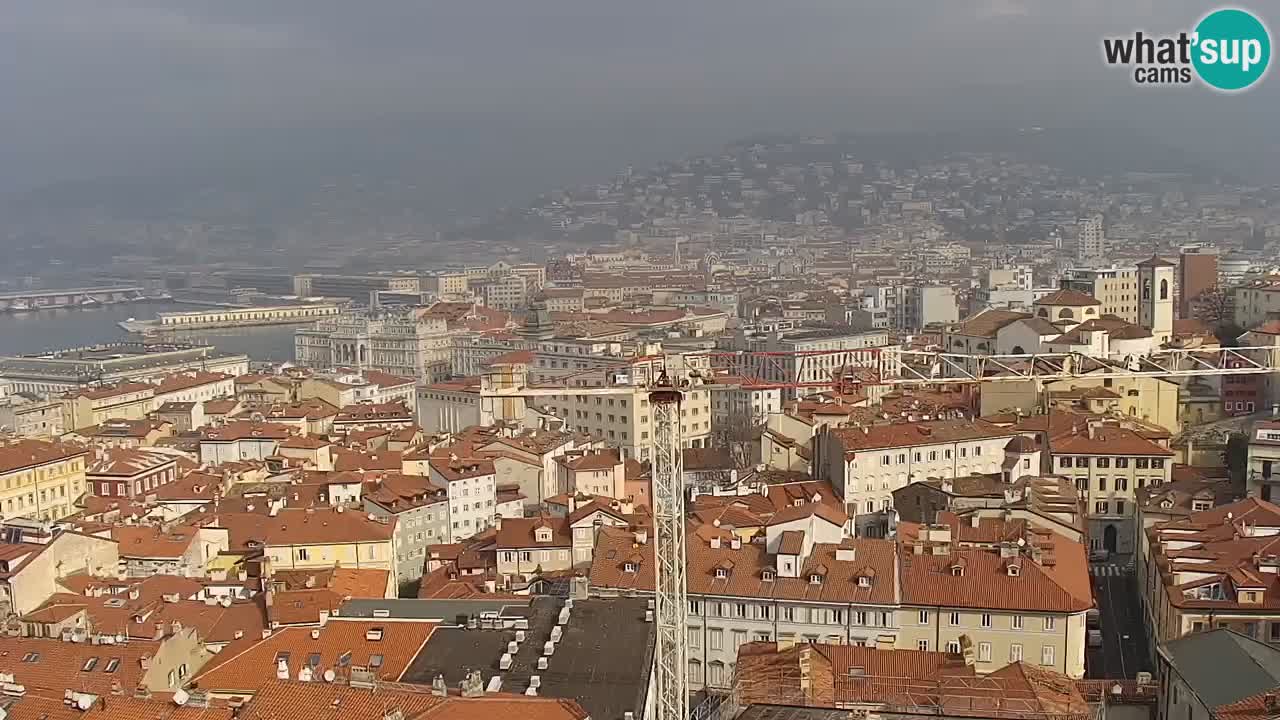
pixel 215 318
pixel 69 297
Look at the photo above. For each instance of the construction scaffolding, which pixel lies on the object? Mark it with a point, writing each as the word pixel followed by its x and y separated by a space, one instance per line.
pixel 668 517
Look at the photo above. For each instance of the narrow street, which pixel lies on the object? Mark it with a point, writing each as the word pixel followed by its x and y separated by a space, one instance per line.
pixel 1124 640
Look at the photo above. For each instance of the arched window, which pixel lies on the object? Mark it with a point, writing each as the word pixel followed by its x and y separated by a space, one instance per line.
pixel 1146 289
pixel 1017 350
pixel 1066 313
pixel 1164 289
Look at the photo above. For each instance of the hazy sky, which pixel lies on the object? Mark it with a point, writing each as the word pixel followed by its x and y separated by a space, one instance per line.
pixel 116 86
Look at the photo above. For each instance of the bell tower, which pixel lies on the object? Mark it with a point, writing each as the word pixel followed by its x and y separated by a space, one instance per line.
pixel 1155 297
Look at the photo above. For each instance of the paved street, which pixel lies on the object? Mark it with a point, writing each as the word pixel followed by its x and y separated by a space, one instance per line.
pixel 1124 641
pixel 1108 570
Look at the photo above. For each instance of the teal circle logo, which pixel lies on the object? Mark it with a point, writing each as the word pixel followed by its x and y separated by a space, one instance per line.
pixel 1232 49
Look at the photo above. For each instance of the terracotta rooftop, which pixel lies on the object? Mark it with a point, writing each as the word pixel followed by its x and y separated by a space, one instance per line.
pixel 385 648
pixel 1068 297
pixel 22 454
pixel 881 437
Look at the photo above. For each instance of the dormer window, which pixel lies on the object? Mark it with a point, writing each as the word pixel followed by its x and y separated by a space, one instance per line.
pixel 768 575
pixel 542 534
pixel 629 567
pixel 1013 570
pixel 864 581
pixel 815 579
pixel 721 573
pixel 957 570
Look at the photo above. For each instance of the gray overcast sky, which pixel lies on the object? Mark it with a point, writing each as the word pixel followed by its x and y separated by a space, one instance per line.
pixel 91 86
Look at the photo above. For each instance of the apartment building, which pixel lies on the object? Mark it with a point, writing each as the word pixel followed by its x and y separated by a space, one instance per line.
pixel 313 538
pixel 811 356
pixel 471 487
pixel 1214 568
pixel 1019 593
pixel 31 416
pixel 40 479
pixel 181 550
pixel 508 292
pixel 780 678
pixel 624 420
pixel 742 401
pixel 1197 274
pixel 130 472
pixel 194 386
pixel 421 512
pixel 1091 241
pixel 451 405
pixel 36 565
pixel 1257 301
pixel 371 386
pixel 529 547
pixel 592 472
pixel 95 405
pixel 529 460
pixel 1108 465
pixel 796 586
pixel 865 465
pixel 1262 478
pixel 803 582
pixel 242 440
pixel 922 306
pixel 1115 287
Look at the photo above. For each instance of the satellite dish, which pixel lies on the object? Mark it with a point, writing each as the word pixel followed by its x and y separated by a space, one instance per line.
pixel 225 601
pixel 180 698
pixel 330 675
pixel 1022 542
pixel 84 701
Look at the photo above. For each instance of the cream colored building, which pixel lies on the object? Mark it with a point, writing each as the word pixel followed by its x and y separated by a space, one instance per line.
pixel 1257 302
pixel 96 405
pixel 1115 287
pixel 33 576
pixel 40 479
pixel 625 420
pixel 1109 464
pixel 1013 604
pixel 1153 400
pixel 303 539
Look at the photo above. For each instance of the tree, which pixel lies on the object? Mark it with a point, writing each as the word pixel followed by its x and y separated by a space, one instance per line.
pixel 1236 456
pixel 740 434
pixel 1214 306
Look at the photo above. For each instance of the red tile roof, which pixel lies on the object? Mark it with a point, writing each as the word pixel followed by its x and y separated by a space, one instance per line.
pixel 396 642
pixel 522 533
pixel 30 453
pixel 880 437
pixel 1068 297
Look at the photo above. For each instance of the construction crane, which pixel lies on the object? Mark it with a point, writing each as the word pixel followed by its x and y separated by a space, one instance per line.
pixel 817 370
